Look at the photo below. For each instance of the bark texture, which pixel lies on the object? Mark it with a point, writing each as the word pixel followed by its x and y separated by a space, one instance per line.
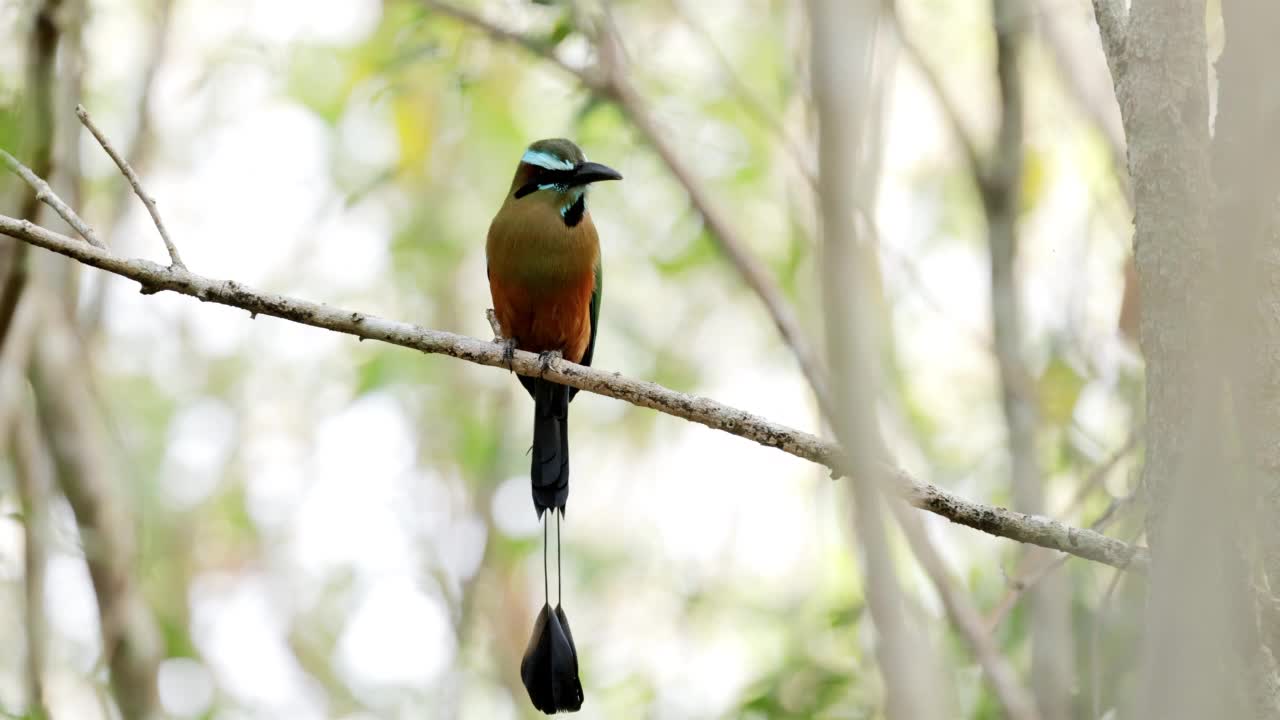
pixel 1200 645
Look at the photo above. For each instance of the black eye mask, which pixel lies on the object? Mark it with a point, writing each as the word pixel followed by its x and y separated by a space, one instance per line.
pixel 545 179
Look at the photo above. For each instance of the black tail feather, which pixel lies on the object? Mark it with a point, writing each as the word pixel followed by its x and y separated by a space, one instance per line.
pixel 549 467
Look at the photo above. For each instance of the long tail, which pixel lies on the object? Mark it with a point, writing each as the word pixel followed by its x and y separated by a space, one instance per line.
pixel 549 469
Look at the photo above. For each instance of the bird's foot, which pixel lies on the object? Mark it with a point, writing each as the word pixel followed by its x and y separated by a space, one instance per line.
pixel 509 353
pixel 546 357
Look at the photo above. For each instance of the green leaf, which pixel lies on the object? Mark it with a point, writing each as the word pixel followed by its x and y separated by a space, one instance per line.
pixel 563 28
pixel 1058 389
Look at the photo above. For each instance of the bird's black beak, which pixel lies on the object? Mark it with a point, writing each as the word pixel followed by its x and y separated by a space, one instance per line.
pixel 589 172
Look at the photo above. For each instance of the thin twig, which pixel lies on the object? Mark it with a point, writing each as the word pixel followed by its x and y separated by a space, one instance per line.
pixel 132 177
pixel 1017 700
pixel 731 242
pixel 995 520
pixel 1094 633
pixel 1028 581
pixel 494 325
pixel 46 195
pixel 755 109
pixel 1100 473
pixel 497 32
pixel 137 149
pixel 138 146
pixel 950 113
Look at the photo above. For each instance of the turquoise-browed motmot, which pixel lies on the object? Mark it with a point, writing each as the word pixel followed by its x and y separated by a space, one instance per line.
pixel 545 278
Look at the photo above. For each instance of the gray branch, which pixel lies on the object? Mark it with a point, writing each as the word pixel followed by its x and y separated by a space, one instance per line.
pixel 46 195
pixel 134 182
pixel 991 519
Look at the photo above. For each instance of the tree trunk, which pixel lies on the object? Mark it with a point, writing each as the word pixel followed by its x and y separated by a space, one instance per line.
pixel 1201 650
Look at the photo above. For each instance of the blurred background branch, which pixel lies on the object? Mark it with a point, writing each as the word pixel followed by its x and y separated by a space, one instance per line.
pixel 844 48
pixel 34 472
pixel 37 119
pixel 1000 184
pixel 130 639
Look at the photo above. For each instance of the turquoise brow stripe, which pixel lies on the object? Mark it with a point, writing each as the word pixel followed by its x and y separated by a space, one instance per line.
pixel 546 160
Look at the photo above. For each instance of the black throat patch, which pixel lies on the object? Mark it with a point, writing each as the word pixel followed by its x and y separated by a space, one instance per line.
pixel 573 214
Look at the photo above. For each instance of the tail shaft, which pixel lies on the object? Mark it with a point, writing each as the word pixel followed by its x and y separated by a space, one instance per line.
pixel 549 468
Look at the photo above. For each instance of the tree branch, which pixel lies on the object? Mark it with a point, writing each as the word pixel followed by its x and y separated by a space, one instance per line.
pixel 46 195
pixel 134 182
pixel 994 520
pixel 1029 579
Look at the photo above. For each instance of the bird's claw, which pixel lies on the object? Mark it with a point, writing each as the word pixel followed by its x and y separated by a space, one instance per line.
pixel 545 357
pixel 509 353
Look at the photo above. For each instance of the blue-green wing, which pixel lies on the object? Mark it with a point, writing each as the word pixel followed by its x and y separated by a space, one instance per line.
pixel 595 320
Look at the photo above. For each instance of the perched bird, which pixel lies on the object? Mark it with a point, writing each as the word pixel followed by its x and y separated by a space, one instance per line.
pixel 546 282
